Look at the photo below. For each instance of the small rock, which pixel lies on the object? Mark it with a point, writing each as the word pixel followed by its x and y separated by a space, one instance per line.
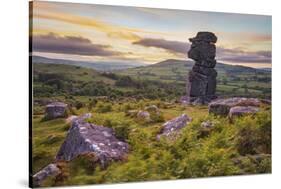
pixel 55 110
pixel 173 126
pixel 206 129
pixel 242 110
pixel 49 170
pixel 143 115
pixel 207 124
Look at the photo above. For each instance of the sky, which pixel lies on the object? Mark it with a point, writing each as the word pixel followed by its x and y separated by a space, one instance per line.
pixel 87 32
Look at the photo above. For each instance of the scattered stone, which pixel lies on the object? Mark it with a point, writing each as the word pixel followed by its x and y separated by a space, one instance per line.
pixel 84 138
pixel 172 127
pixel 207 124
pixel 223 106
pixel 143 115
pixel 201 84
pixel 48 171
pixel 55 110
pixel 206 128
pixel 242 110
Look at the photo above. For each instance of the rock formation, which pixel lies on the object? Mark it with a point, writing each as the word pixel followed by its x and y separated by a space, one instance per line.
pixel 55 110
pixel 83 138
pixel 171 128
pixel 201 84
pixel 223 106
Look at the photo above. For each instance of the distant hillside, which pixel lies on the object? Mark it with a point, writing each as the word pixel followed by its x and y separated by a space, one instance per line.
pixel 100 66
pixel 169 77
pixel 231 80
pixel 172 69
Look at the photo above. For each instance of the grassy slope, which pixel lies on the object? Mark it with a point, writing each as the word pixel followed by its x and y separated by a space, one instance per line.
pixel 149 159
pixel 75 73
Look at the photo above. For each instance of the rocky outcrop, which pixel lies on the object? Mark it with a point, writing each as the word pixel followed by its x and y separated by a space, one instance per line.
pixel 48 171
pixel 201 84
pixel 237 111
pixel 222 106
pixel 172 127
pixel 83 138
pixel 55 110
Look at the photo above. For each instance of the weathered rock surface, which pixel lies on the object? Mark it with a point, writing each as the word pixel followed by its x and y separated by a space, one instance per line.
pixel 49 170
pixel 84 138
pixel 201 84
pixel 172 127
pixel 207 124
pixel 55 110
pixel 143 115
pixel 242 110
pixel 223 106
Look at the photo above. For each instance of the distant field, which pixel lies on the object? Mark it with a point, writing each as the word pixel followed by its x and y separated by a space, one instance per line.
pixel 232 80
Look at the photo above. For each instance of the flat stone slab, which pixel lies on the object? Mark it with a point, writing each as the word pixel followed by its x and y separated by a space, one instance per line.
pixel 172 127
pixel 83 138
pixel 223 106
pixel 237 111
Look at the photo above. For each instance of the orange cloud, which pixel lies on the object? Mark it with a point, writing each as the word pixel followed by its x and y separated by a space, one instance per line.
pixel 111 30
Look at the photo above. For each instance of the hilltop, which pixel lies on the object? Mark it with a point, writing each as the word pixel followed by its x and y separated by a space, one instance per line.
pixel 97 65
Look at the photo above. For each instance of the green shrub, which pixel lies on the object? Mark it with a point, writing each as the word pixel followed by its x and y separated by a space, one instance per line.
pixel 79 105
pixel 104 107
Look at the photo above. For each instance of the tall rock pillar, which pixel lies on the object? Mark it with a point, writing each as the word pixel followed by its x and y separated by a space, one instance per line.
pixel 201 84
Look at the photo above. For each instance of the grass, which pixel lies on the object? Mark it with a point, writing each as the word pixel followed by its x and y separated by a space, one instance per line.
pixel 191 155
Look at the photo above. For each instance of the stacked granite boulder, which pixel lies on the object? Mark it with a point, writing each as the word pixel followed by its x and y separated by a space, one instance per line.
pixel 201 85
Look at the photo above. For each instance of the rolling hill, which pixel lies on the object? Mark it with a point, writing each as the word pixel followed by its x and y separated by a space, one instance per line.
pixel 100 66
pixel 232 79
pixel 169 75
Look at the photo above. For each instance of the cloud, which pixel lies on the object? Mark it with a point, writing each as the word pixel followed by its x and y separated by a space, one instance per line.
pixel 223 54
pixel 238 56
pixel 170 46
pixel 53 43
pixel 113 31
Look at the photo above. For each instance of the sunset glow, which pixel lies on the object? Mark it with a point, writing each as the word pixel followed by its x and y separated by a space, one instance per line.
pixel 114 33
